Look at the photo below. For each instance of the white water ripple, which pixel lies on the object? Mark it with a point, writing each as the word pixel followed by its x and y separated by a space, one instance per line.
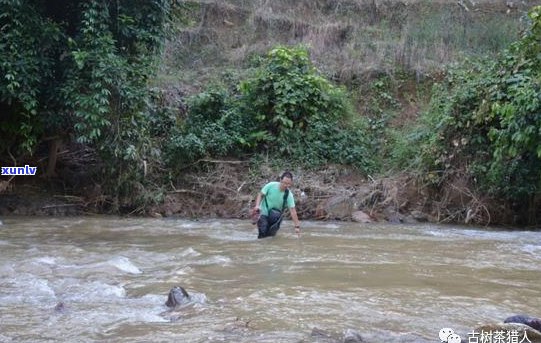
pixel 124 264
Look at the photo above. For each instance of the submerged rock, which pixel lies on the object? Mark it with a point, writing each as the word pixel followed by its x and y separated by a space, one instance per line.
pixel 322 336
pixel 182 304
pixel 60 307
pixel 390 337
pixel 239 326
pixel 532 322
pixel 177 296
pixel 352 336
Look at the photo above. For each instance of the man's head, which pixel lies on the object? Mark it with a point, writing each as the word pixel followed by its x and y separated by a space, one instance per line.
pixel 286 180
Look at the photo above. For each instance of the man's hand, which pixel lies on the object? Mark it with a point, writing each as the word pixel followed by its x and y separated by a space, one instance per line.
pixel 255 215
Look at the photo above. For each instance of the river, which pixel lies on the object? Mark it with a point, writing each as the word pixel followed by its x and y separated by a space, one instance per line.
pixel 112 276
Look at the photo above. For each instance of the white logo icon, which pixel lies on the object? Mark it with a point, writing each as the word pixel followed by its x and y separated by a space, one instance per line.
pixel 453 338
pixel 449 336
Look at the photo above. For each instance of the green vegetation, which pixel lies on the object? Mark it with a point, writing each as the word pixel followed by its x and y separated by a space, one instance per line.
pixel 79 71
pixel 483 125
pixel 308 83
pixel 89 72
pixel 284 107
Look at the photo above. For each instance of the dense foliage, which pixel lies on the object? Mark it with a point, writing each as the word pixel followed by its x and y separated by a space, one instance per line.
pixel 285 107
pixel 485 123
pixel 28 49
pixel 78 71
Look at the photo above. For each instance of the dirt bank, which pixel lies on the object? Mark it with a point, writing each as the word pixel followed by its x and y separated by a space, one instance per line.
pixel 227 189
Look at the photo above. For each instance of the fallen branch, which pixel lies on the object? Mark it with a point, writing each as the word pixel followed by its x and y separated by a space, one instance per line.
pixel 186 191
pixel 60 205
pixel 5 184
pixel 70 198
pixel 222 161
pixel 211 185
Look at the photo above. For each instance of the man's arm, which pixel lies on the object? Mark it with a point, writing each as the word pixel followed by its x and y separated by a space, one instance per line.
pixel 258 199
pixel 295 218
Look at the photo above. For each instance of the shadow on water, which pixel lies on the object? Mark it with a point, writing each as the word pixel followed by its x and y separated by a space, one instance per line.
pixel 389 283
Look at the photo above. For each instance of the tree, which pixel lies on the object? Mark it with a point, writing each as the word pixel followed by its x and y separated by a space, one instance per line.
pixel 285 107
pixel 78 70
pixel 484 124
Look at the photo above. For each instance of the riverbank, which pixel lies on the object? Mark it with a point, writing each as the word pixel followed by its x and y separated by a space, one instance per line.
pixel 227 189
pixel 381 53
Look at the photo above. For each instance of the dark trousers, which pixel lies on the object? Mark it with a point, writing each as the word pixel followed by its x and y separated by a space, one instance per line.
pixel 269 225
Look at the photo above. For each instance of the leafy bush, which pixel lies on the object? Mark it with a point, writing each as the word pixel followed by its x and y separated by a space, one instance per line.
pixel 286 93
pixel 26 72
pixel 325 142
pixel 285 108
pixel 79 71
pixel 484 122
pixel 214 127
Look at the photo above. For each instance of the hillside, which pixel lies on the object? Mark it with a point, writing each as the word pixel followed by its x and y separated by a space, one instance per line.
pixel 379 59
pixel 387 54
pixel 350 41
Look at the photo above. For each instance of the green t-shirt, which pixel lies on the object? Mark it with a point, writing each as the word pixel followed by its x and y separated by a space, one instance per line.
pixel 275 198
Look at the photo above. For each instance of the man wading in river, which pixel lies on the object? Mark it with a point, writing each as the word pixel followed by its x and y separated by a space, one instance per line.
pixel 271 203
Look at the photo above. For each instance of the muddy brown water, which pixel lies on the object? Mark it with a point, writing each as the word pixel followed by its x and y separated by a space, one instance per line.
pixel 113 274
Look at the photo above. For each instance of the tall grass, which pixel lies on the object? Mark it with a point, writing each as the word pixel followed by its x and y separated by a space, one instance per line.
pixel 347 38
pixel 445 36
